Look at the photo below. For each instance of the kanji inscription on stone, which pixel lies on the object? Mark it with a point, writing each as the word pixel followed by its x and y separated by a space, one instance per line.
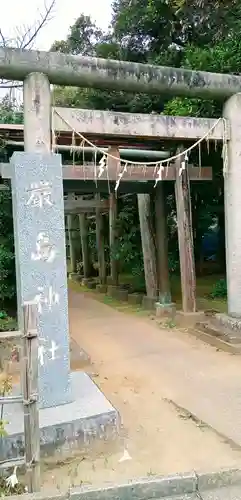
pixel 39 234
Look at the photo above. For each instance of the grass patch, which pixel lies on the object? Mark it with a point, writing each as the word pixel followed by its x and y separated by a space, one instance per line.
pixel 106 299
pixel 205 286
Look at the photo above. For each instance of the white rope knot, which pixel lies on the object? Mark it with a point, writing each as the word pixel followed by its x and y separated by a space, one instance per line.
pixel 120 175
pixel 159 174
pixel 102 165
pixel 12 480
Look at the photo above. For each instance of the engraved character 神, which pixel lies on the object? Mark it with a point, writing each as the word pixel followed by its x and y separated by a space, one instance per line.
pixel 51 299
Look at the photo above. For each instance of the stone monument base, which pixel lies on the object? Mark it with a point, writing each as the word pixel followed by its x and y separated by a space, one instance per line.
pixel 229 326
pixel 65 429
pixel 221 331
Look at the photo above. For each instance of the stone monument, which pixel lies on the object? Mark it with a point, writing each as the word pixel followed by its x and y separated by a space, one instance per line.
pixel 73 410
pixel 38 214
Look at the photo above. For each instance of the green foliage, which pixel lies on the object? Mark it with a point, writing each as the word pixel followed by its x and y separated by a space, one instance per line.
pixel 219 290
pixel 7 324
pixel 82 39
pixel 200 35
pixel 9 113
pixel 6 490
pixel 7 261
pixel 128 250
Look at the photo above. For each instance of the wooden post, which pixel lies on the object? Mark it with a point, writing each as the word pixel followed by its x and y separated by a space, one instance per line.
pixel 37 113
pixel 73 236
pixel 162 246
pixel 71 246
pixel 113 239
pixel 148 244
pixel 185 237
pixel 100 243
pixel 114 264
pixel 30 399
pixel 84 245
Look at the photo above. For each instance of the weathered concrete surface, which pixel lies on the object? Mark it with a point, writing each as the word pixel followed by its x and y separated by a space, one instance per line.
pixel 223 485
pixel 228 326
pixel 88 121
pixel 232 203
pixel 193 375
pixel 65 69
pixel 37 113
pixel 206 332
pixel 65 428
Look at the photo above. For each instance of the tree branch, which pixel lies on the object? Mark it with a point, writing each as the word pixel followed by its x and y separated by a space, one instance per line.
pixel 33 31
pixel 25 40
pixel 3 38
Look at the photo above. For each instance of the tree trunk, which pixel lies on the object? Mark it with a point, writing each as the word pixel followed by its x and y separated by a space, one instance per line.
pixel 85 246
pixel 148 244
pixel 162 246
pixel 100 243
pixel 113 239
pixel 72 244
pixel 185 238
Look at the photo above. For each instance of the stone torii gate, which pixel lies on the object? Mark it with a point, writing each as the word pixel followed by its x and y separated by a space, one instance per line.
pixel 40 208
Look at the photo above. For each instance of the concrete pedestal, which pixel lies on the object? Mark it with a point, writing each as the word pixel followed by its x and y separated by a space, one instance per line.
pixel 149 303
pixel 135 298
pixel 72 426
pixel 112 291
pixel 122 294
pixel 189 319
pixel 101 288
pixel 165 310
pixel 89 283
pixel 75 277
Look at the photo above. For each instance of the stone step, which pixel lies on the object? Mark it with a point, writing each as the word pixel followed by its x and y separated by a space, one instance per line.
pixel 228 325
pixel 208 333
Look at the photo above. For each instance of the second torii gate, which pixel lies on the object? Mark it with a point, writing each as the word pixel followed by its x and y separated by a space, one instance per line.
pixel 155 249
pixel 155 252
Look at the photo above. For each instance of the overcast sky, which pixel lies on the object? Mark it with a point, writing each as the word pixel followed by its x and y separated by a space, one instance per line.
pixel 25 12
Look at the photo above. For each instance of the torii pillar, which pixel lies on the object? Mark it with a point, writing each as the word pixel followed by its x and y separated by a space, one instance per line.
pixel 232 203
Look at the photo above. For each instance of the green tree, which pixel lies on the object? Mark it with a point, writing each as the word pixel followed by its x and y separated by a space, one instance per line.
pixel 200 35
pixel 9 113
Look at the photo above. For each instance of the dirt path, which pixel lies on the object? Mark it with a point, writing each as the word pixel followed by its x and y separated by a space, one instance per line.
pixel 140 368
